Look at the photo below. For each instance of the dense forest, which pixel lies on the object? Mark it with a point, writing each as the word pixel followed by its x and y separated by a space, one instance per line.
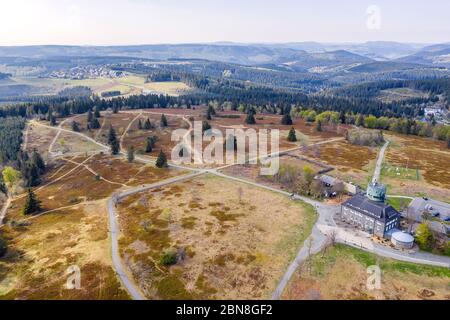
pixel 10 138
pixel 370 90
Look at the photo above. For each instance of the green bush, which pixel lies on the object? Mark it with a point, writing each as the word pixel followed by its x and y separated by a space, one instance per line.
pixel 169 257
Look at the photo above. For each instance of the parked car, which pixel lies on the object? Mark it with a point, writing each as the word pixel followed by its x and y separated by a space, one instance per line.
pixel 435 214
pixel 447 219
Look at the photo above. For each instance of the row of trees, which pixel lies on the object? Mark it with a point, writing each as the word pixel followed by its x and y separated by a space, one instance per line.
pixel 399 125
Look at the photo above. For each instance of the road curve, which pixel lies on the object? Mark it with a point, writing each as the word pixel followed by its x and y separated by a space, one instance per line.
pixel 114 229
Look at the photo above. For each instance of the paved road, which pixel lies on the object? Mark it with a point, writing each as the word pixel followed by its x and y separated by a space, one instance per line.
pixel 377 173
pixel 317 240
pixel 114 229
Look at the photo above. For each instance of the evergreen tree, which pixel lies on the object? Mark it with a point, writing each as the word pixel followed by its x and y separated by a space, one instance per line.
pixel 30 175
pixel 139 124
pixel 250 119
pixel 75 126
pixel 211 110
pixel 319 126
pixel 360 120
pixel 32 204
pixel 205 126
pixel 342 118
pixel 286 120
pixel 148 146
pixel 36 159
pixel 115 109
pixel 148 124
pixel 95 124
pixel 3 246
pixel 130 154
pixel 161 162
pixel 163 121
pixel 113 142
pixel 3 188
pixel 292 137
pixel 90 116
pixel 52 120
pixel 97 112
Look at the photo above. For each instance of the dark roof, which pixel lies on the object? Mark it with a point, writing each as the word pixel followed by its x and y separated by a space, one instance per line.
pixel 374 209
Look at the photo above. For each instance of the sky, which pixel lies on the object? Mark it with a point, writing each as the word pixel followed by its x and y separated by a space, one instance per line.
pixel 103 22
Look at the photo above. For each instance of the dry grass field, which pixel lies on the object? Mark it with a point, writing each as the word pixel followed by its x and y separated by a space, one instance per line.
pixel 352 163
pixel 137 138
pixel 431 158
pixel 72 230
pixel 68 143
pixel 232 241
pixel 341 273
pixel 40 138
pixel 40 252
pixel 306 132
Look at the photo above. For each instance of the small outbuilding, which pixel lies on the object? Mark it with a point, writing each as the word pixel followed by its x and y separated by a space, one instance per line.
pixel 402 240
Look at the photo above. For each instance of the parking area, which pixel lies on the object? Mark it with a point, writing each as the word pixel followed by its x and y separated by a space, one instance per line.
pixel 434 208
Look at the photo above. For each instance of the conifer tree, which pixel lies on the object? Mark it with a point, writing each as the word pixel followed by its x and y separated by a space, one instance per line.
pixel 130 154
pixel 319 126
pixel 90 116
pixel 149 145
pixel 75 126
pixel 161 162
pixel 36 159
pixel 32 204
pixel 163 121
pixel 292 137
pixel 97 112
pixel 286 120
pixel 147 124
pixel 113 142
pixel 250 119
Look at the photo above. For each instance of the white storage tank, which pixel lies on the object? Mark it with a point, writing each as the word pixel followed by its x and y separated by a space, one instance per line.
pixel 402 240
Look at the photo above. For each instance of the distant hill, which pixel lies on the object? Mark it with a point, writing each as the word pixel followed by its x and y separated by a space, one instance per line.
pixel 323 61
pixel 386 66
pixel 436 55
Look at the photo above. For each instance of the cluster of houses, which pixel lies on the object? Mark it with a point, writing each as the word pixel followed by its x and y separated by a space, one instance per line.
pixel 86 72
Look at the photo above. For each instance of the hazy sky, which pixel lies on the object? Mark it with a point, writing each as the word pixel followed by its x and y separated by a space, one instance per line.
pixel 102 22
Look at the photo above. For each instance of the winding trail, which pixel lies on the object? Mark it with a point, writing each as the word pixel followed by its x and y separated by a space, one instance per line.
pixel 104 147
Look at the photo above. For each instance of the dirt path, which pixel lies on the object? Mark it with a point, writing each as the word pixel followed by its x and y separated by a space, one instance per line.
pixel 4 210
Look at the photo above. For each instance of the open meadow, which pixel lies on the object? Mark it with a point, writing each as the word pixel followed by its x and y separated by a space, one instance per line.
pixel 231 241
pixel 341 273
pixel 418 167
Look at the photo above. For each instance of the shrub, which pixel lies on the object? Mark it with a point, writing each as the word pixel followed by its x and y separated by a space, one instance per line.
pixel 169 257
